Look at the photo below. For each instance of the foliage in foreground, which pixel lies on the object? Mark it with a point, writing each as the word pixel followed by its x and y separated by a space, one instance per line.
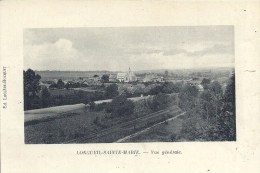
pixel 211 116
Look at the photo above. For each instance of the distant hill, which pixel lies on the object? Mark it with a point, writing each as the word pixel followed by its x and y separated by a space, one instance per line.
pixel 186 70
pixel 49 75
pixel 69 75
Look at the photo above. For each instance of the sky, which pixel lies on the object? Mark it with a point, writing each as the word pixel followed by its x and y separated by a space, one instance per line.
pixel 118 48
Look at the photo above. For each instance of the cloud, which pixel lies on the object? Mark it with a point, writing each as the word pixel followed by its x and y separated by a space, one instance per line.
pixel 61 55
pixel 139 51
pixel 181 61
pixel 57 55
pixel 189 49
pixel 201 49
pixel 118 48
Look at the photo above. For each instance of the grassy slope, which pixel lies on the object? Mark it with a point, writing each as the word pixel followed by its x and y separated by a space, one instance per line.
pixel 161 133
pixel 65 127
pixel 79 123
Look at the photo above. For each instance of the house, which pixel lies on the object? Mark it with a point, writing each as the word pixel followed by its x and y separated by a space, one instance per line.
pixel 43 85
pixel 122 77
pixel 92 82
pixel 84 84
pixel 98 83
pixel 95 78
pixel 126 77
pixel 158 79
pixel 113 78
pixel 200 87
pixel 152 78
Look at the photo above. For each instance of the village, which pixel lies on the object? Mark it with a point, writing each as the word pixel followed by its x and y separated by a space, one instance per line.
pixel 127 81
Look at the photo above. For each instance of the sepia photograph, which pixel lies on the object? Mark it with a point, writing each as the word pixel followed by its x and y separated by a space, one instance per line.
pixel 129 84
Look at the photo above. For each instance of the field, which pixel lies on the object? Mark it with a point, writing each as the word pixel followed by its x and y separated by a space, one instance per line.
pixel 86 89
pixel 83 126
pixel 64 92
pixel 64 127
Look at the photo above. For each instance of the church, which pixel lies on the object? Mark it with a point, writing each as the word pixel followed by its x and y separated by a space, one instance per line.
pixel 126 77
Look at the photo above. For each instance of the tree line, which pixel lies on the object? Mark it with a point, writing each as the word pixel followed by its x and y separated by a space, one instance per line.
pixel 211 115
pixel 36 97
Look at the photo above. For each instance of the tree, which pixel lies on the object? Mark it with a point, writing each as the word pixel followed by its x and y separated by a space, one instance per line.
pixel 95 75
pixel 208 103
pixel 127 93
pixel 166 73
pixel 190 91
pixel 53 86
pixel 98 95
pixel 120 106
pixel 105 78
pixel 67 86
pixel 205 82
pixel 60 84
pixel 45 97
pixel 216 88
pixel 161 101
pixel 31 82
pixel 170 87
pixel 211 98
pixel 92 105
pixel 188 97
pixel 230 96
pixel 226 125
pixel 156 90
pixel 111 91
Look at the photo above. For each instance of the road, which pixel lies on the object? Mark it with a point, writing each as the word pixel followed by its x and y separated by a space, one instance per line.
pixel 38 114
pixel 134 99
pixel 92 137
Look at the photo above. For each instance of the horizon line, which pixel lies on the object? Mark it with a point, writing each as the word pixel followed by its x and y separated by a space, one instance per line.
pixel 200 68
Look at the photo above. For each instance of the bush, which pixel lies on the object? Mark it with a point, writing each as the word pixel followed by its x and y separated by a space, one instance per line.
pixel 156 90
pixel 188 97
pixel 173 137
pixel 111 91
pixel 92 105
pixel 120 106
pixel 170 87
pixel 205 83
pixel 161 101
pixel 100 107
pixel 60 84
pixel 45 97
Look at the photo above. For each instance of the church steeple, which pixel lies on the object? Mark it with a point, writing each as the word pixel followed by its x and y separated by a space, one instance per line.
pixel 129 74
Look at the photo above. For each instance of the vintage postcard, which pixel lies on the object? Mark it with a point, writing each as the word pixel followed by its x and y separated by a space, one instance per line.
pixel 129 84
pixel 134 86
